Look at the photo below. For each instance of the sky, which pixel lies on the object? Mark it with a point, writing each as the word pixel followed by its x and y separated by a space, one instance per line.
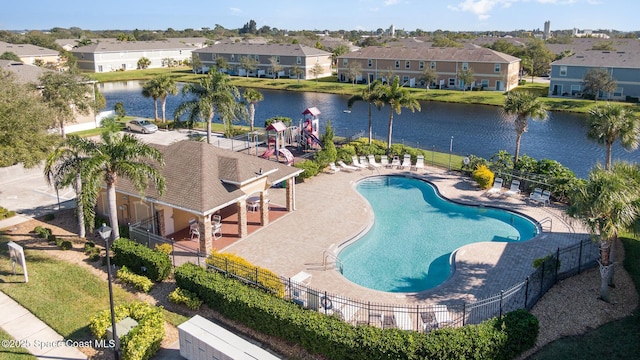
pixel 428 15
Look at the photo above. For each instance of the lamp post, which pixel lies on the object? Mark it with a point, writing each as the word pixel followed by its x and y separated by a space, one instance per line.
pixel 450 150
pixel 105 234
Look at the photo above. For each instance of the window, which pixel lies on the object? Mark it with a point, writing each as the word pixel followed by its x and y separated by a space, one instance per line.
pixel 496 68
pixel 298 60
pixel 233 57
pixel 452 82
pixel 214 57
pixel 575 89
pixel 345 62
pixel 257 57
pixel 421 65
pixel 407 64
pixel 369 63
pixel 563 71
pixel 397 64
pixel 124 66
pixel 618 92
pixel 405 80
pixel 484 83
pixel 433 65
pixel 278 59
pixel 99 68
pixel 465 66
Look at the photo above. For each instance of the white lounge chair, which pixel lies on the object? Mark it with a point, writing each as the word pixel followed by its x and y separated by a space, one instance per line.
pixel 419 162
pixel 403 320
pixel 497 186
pixel 536 195
pixel 546 197
pixel 347 167
pixel 216 226
pixel 395 162
pixel 333 168
pixel 356 163
pixel 515 188
pixel 372 161
pixel 363 161
pixel 406 162
pixel 384 161
pixel 443 318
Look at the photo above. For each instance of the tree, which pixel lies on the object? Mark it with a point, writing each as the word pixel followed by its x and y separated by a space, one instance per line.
pixel 465 77
pixel 429 76
pixel 120 111
pixel 196 63
pixel 526 64
pixel 213 93
pixel 161 86
pixel 8 55
pixel 143 63
pixel 613 122
pixel 297 71
pixel 372 95
pixel 249 64
pixel 65 166
pixel 121 155
pixel 67 95
pixel 275 66
pixel 150 90
pixel 540 56
pixel 338 51
pixel 317 70
pixel 353 71
pixel 252 97
pixel 608 203
pixel 221 63
pixel 596 81
pixel 397 97
pixel 84 42
pixel 24 123
pixel 521 105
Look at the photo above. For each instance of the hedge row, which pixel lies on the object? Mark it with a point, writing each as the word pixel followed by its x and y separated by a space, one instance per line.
pixel 141 260
pixel 335 339
pixel 143 341
pixel 246 270
pixel 139 282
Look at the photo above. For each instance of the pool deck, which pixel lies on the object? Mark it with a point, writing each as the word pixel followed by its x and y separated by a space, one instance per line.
pixel 329 212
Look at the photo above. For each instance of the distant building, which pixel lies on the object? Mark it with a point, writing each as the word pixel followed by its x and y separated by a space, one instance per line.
pixel 287 56
pixel 547 30
pixel 589 33
pixel 492 70
pixel 112 55
pixel 30 53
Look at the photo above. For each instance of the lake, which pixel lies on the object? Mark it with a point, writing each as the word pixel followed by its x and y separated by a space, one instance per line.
pixel 476 129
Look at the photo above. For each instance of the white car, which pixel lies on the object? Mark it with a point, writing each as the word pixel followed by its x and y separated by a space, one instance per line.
pixel 142 126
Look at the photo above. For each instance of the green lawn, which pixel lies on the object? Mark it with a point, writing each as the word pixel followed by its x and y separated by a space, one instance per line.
pixel 9 352
pixel 615 340
pixel 63 295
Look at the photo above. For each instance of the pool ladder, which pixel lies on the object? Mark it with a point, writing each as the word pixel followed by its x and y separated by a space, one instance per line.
pixel 546 220
pixel 338 264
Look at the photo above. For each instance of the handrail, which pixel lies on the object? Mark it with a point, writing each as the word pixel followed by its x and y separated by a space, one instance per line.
pixel 545 220
pixel 325 255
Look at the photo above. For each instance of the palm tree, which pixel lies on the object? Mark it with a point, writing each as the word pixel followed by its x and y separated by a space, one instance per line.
pixel 372 95
pixel 116 156
pixel 523 105
pixel 150 90
pixel 610 123
pixel 166 86
pixel 65 166
pixel 397 97
pixel 608 203
pixel 252 97
pixel 213 93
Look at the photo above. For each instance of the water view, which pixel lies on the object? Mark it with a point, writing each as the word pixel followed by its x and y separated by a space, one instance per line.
pixel 476 129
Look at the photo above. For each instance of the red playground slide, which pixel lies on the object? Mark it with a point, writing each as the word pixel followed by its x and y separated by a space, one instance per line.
pixel 267 154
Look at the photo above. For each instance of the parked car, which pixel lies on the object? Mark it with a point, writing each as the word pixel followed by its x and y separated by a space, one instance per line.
pixel 142 126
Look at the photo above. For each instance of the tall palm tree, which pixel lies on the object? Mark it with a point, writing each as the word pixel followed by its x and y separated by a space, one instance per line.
pixel 252 97
pixel 150 90
pixel 397 97
pixel 213 93
pixel 122 155
pixel 608 203
pixel 372 95
pixel 166 86
pixel 522 105
pixel 66 166
pixel 612 122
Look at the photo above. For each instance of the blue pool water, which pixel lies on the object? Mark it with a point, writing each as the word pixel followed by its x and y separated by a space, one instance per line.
pixel 415 231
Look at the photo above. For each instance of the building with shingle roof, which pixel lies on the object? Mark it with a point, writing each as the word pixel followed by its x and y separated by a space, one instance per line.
pixel 30 53
pixel 287 56
pixel 567 74
pixel 492 70
pixel 24 73
pixel 201 180
pixel 112 55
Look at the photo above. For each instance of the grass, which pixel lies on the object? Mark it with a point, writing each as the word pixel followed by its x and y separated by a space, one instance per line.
pixel 615 340
pixel 13 353
pixel 63 295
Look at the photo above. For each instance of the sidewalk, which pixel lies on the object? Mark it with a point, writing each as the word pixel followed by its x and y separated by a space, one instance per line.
pixel 33 334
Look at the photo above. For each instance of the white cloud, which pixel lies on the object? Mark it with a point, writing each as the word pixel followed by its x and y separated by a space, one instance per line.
pixel 391 2
pixel 235 11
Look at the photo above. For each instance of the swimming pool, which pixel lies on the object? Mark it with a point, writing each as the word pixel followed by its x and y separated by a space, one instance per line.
pixel 409 245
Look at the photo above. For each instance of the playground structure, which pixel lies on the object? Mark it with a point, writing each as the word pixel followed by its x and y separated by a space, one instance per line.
pixel 309 129
pixel 276 143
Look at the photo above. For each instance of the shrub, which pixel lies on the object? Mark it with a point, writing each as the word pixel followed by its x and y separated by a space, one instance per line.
pixel 66 245
pixel 483 176
pixel 164 248
pixel 186 297
pixel 246 270
pixel 139 282
pixel 141 260
pixel 42 232
pixel 549 262
pixel 94 254
pixel 310 168
pixel 143 341
pixel 89 246
pixel 5 214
